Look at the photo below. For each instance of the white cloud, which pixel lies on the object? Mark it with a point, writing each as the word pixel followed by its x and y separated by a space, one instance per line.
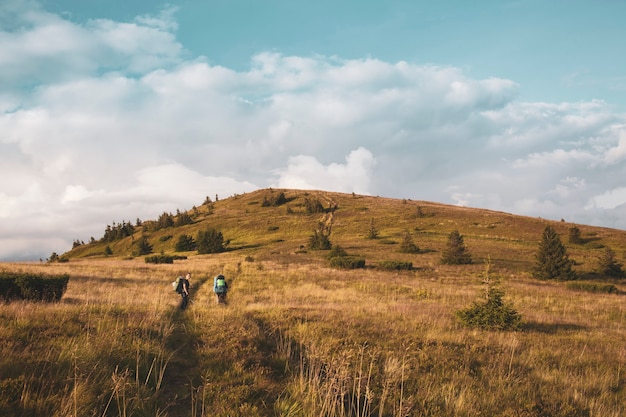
pixel 609 199
pixel 117 124
pixel 306 172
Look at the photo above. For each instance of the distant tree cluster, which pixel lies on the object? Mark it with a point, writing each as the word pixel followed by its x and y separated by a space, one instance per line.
pixel 274 200
pixel 182 218
pixel 313 205
pixel 117 231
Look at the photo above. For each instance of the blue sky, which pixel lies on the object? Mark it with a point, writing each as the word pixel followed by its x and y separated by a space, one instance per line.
pixel 111 111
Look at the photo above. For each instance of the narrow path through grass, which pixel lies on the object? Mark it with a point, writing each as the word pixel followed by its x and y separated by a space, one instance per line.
pixel 182 373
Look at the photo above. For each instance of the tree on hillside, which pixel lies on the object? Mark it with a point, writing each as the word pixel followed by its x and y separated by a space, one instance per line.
pixel 491 313
pixel 313 205
pixel 143 246
pixel 165 220
pixel 552 261
pixel 274 200
pixel 575 237
pixel 372 233
pixel 407 245
pixel 210 241
pixel 455 252
pixel 182 218
pixel 319 240
pixel 608 265
pixel 185 243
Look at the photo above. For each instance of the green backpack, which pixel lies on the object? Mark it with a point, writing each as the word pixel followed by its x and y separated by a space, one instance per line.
pixel 178 285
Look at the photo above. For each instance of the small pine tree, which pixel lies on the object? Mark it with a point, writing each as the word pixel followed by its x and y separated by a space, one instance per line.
pixel 575 237
pixel 319 240
pixel 407 245
pixel 185 243
pixel 608 265
pixel 108 251
pixel 143 246
pixel 372 232
pixel 456 252
pixel 493 313
pixel 552 261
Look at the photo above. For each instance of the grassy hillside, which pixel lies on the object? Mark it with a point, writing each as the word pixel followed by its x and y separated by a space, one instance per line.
pixel 299 338
pixel 269 232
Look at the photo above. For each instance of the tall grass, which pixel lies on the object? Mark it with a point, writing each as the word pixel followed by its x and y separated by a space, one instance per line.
pixel 305 340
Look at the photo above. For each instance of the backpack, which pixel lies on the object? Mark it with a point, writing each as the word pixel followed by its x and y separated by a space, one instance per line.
pixel 178 285
pixel 220 283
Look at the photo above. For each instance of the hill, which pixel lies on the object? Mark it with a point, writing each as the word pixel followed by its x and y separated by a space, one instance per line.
pixel 300 338
pixel 255 225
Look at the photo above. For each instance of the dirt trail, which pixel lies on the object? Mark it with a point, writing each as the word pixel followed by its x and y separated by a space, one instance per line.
pixel 181 374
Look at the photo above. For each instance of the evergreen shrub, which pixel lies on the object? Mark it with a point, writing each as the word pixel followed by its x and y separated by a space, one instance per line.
pixel 592 287
pixel 396 266
pixel 32 287
pixel 159 259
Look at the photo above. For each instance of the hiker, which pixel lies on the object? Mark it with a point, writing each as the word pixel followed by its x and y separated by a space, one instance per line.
pixel 183 289
pixel 220 288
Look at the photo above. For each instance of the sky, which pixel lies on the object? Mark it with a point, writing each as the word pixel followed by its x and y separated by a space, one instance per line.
pixel 114 111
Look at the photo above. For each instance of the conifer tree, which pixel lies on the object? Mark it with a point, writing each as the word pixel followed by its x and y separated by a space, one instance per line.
pixel 574 236
pixel 319 240
pixel 456 252
pixel 407 245
pixel 372 232
pixel 143 246
pixel 185 243
pixel 608 265
pixel 492 313
pixel 210 241
pixel 552 261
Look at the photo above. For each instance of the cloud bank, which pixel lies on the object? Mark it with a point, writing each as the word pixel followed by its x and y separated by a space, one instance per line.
pixel 105 121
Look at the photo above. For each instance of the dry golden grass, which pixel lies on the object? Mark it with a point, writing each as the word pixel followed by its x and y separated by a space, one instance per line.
pixel 301 339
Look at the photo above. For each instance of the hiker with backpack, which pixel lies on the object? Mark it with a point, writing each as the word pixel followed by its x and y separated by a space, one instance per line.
pixel 220 288
pixel 182 285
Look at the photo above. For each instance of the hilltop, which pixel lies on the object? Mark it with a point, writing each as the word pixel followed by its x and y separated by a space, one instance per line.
pixel 271 224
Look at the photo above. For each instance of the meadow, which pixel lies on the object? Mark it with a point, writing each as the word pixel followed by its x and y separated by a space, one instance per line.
pixel 299 338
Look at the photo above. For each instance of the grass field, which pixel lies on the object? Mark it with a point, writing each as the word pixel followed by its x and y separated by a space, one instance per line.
pixel 299 338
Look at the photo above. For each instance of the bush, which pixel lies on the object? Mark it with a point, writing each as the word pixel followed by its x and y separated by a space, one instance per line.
pixel 347 262
pixel 159 259
pixel 492 313
pixel 592 287
pixel 37 287
pixel 396 266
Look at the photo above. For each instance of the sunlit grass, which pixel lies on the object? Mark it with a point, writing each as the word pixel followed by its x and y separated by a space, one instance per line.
pixel 298 338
